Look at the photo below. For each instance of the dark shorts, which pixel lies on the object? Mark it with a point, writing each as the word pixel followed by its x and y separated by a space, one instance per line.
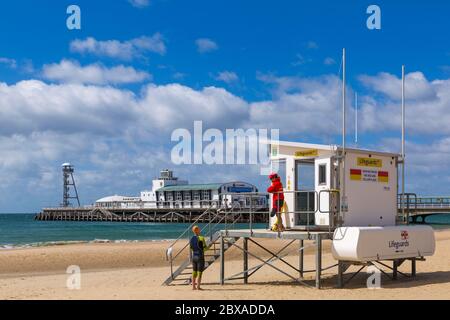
pixel 198 264
pixel 277 209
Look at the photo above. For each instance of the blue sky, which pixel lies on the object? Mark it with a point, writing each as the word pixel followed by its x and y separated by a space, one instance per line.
pixel 108 96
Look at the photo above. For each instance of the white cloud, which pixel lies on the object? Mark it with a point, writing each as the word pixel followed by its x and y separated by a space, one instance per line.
pixel 71 72
pixel 28 66
pixel 124 50
pixel 430 160
pixel 10 63
pixel 205 45
pixel 329 61
pixel 312 45
pixel 418 87
pixel 118 140
pixel 139 3
pixel 175 106
pixel 179 75
pixel 300 60
pixel 227 77
pixel 427 104
pixel 300 105
pixel 34 106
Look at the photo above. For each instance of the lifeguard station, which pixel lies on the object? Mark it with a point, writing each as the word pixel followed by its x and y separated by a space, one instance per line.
pixel 317 178
pixel 346 195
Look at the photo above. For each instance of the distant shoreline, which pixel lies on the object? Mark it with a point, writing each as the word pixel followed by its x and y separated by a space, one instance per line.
pixel 69 243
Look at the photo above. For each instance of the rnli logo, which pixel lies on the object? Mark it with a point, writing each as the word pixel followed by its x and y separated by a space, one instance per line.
pixel 404 235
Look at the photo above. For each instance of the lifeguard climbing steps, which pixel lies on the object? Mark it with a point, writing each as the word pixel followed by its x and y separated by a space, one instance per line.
pixel 216 217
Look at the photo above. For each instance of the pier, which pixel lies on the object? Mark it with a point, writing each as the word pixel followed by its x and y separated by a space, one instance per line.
pixel 157 215
pixel 417 209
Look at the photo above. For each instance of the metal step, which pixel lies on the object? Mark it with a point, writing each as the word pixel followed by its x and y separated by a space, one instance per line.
pixel 181 279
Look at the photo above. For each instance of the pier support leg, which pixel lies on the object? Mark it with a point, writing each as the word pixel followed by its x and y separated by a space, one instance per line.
pixel 318 260
pixel 300 258
pixel 222 261
pixel 245 260
pixel 413 267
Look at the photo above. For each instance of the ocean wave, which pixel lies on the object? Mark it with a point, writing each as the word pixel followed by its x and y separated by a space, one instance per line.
pixel 63 243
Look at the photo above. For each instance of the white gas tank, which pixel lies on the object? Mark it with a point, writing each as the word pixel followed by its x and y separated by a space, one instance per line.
pixel 382 243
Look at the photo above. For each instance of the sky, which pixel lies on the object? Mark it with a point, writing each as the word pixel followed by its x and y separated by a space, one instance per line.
pixel 108 97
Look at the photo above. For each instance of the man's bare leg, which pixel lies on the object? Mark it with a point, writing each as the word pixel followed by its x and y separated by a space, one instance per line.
pixel 199 281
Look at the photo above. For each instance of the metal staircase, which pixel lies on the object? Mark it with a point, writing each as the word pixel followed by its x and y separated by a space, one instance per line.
pixel 225 217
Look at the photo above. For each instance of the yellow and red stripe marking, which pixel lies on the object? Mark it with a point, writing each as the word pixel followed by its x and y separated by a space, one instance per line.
pixel 355 174
pixel 383 176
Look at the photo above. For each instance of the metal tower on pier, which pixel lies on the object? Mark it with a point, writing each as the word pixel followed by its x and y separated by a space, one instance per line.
pixel 69 182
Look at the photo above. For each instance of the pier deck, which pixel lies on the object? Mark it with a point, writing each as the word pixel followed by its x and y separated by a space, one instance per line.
pixel 158 215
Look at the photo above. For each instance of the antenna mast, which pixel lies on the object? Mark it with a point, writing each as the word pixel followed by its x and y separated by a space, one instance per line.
pixel 356 118
pixel 343 206
pixel 403 144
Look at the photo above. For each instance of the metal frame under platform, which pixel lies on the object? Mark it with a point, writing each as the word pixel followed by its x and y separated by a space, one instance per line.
pixel 396 263
pixel 252 234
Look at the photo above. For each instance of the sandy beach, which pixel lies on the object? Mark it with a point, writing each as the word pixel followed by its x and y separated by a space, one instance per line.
pixel 137 270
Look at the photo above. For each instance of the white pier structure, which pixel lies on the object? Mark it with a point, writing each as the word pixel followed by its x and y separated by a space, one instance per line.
pixel 168 192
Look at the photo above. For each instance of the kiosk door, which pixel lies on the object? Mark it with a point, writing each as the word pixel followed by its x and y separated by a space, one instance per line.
pixel 305 194
pixel 328 197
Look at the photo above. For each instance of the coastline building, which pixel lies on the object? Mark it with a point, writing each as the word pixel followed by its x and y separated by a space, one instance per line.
pixel 170 192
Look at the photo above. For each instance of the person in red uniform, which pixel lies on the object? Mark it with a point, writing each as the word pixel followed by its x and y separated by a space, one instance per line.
pixel 276 188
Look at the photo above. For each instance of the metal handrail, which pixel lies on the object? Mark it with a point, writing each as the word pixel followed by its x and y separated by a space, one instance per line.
pixel 402 203
pixel 188 229
pixel 330 212
pixel 208 211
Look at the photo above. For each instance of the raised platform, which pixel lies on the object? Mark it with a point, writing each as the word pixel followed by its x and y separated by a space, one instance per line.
pixel 250 235
pixel 288 235
pixel 292 236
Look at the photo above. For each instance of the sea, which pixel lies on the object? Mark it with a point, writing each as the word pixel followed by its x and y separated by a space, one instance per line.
pixel 22 231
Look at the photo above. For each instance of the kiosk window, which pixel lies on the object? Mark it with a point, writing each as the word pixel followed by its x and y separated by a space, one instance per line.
pixel 323 174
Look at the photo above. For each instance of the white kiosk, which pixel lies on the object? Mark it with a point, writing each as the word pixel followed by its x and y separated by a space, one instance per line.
pixel 353 195
pixel 313 179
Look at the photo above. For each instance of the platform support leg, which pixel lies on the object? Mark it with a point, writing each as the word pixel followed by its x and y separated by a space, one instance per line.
pixel 222 260
pixel 394 270
pixel 300 259
pixel 340 279
pixel 245 260
pixel 413 267
pixel 318 260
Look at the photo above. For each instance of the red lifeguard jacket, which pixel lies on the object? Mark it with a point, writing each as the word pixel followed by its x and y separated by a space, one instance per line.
pixel 277 189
